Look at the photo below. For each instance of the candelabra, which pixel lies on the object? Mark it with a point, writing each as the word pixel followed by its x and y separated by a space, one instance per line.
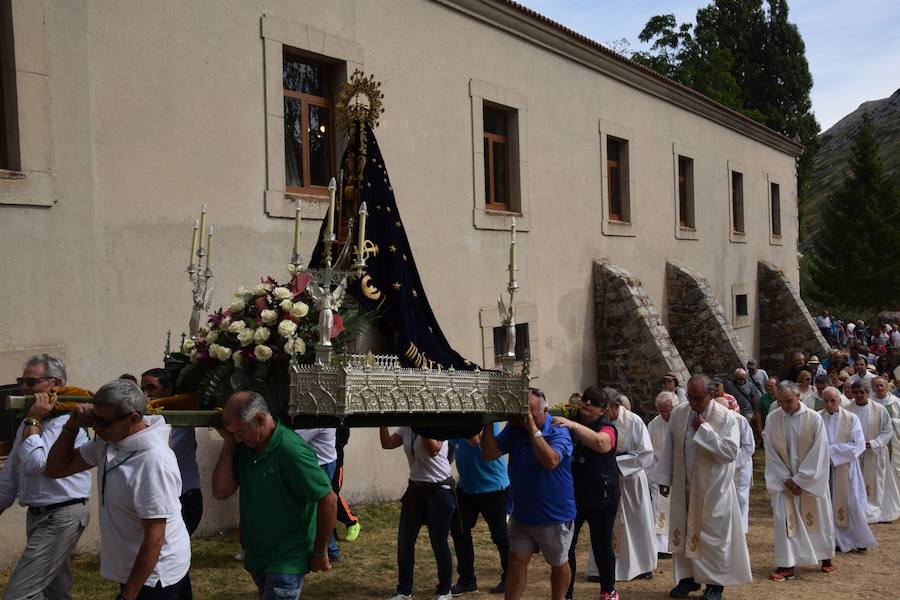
pixel 508 311
pixel 201 289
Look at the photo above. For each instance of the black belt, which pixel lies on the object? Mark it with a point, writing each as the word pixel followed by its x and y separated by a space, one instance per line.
pixel 40 510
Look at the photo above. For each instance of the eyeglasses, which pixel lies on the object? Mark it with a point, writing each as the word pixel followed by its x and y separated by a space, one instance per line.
pixel 101 422
pixel 31 381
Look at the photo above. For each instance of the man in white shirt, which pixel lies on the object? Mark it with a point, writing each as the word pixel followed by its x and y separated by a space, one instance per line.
pixel 658 426
pixel 144 545
pixel 57 509
pixel 861 365
pixel 322 441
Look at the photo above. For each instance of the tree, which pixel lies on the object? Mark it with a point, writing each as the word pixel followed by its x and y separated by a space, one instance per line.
pixel 746 56
pixel 855 262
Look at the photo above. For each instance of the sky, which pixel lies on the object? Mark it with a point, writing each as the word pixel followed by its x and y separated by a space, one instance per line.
pixel 853 47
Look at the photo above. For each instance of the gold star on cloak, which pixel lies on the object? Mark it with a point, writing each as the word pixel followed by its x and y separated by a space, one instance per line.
pixel 404 257
pixel 392 248
pixel 397 285
pixel 398 224
pixel 415 294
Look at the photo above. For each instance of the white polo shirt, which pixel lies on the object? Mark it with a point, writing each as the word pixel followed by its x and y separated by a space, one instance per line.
pixel 139 479
pixel 422 466
pixel 321 440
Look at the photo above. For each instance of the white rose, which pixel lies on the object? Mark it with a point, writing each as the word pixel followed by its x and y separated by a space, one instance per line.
pixel 299 346
pixel 223 353
pixel 293 269
pixel 299 309
pixel 237 306
pixel 268 316
pixel 237 357
pixel 204 329
pixel 289 347
pixel 262 289
pixel 213 350
pixel 242 293
pixel 211 336
pixel 286 305
pixel 261 335
pixel 287 328
pixel 188 345
pixel 263 353
pixel 282 293
pixel 245 337
pixel 237 326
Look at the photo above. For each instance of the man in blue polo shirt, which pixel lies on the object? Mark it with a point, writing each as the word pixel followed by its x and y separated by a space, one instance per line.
pixel 543 495
pixel 483 488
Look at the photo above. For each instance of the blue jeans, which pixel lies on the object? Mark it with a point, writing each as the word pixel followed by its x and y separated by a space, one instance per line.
pixel 279 586
pixel 333 550
pixel 434 509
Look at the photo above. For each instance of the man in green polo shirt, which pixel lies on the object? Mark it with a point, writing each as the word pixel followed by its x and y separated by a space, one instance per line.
pixel 287 506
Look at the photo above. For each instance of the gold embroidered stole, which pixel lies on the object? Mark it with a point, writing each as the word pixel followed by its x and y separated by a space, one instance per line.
pixel 657 437
pixel 872 427
pixel 841 496
pixel 807 507
pixel 691 523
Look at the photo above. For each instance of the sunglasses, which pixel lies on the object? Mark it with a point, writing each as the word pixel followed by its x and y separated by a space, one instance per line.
pixel 101 422
pixel 31 381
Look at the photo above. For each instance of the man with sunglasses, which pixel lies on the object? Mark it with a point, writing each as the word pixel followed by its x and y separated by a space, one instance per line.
pixel 57 509
pixel 144 545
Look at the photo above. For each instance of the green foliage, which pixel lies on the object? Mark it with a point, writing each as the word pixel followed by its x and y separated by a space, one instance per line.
pixel 855 261
pixel 745 56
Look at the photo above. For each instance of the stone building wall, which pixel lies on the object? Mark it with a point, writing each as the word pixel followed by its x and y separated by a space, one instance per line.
pixel 634 349
pixel 698 325
pixel 785 324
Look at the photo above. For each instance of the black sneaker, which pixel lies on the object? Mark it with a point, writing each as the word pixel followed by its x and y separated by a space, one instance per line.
pixel 713 592
pixel 684 587
pixel 463 588
pixel 500 588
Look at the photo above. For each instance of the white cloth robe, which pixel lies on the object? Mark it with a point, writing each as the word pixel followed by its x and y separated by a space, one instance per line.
pixel 634 535
pixel 743 470
pixel 723 557
pixel 884 503
pixel 857 533
pixel 892 404
pixel 657 429
pixel 812 473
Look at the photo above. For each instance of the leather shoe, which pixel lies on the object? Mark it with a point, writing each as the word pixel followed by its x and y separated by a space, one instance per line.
pixel 684 587
pixel 500 588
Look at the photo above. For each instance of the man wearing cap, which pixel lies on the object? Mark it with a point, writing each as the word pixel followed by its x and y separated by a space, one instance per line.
pixel 814 366
pixel 57 508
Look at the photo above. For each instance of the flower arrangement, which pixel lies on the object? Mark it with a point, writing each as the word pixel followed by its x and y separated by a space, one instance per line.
pixel 249 344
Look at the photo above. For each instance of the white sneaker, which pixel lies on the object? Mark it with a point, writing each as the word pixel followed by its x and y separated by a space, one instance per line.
pixel 401 597
pixel 240 555
pixel 442 597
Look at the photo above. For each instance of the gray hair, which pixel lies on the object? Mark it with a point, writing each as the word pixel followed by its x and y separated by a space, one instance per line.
pixel 53 366
pixel 663 396
pixel 788 385
pixel 708 385
pixel 123 395
pixel 253 404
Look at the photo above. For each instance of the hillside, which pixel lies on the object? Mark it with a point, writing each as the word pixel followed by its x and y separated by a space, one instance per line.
pixel 831 161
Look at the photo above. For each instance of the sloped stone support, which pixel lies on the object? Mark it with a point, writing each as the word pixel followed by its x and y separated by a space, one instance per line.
pixel 785 324
pixel 698 324
pixel 634 349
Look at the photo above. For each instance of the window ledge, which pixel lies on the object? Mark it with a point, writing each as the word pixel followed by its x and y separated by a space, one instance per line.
pixel 618 228
pixel 737 237
pixel 496 220
pixel 12 175
pixel 686 233
pixel 283 204
pixel 776 240
pixel 31 188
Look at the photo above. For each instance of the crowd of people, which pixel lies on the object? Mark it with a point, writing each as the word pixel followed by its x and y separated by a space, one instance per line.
pixel 676 488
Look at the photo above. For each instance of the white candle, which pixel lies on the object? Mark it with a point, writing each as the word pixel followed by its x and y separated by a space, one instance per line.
pixel 332 188
pixel 361 240
pixel 209 247
pixel 202 224
pixel 512 252
pixel 194 239
pixel 297 230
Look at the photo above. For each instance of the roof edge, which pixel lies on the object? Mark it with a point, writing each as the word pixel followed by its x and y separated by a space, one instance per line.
pixel 541 31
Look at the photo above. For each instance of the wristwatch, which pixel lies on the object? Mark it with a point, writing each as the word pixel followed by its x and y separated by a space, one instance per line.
pixel 538 434
pixel 32 421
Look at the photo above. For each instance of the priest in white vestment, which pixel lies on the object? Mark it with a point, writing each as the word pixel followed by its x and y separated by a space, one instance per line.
pixel 846 443
pixel 878 472
pixel 634 535
pixel 743 467
pixel 657 427
pixel 797 477
pixel 891 403
pixel 696 471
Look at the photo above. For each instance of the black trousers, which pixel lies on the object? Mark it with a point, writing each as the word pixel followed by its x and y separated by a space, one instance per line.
pixel 191 509
pixel 491 506
pixel 600 518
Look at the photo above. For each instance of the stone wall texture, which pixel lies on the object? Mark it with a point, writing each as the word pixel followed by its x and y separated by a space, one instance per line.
pixel 698 324
pixel 785 324
pixel 634 349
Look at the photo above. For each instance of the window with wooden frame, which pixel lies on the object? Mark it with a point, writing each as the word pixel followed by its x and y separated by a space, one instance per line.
pixel 9 130
pixel 617 178
pixel 737 202
pixel 497 142
pixel 686 192
pixel 308 125
pixel 775 191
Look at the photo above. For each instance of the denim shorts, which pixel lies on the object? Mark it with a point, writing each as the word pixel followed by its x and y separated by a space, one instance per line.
pixel 552 540
pixel 279 586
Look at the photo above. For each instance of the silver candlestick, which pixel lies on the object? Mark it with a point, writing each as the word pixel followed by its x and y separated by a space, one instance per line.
pixel 508 311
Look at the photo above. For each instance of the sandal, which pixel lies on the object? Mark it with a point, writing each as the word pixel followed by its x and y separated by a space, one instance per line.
pixel 827 568
pixel 782 575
